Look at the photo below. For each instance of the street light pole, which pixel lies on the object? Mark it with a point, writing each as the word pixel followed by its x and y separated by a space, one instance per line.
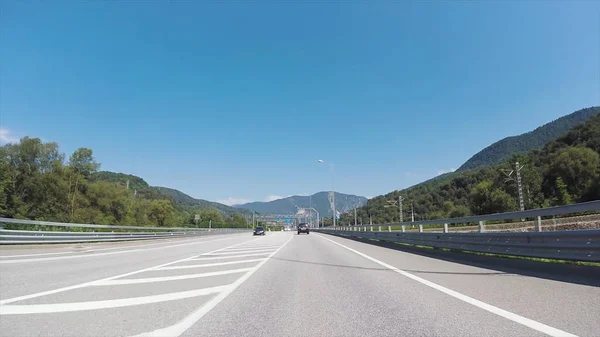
pixel 314 209
pixel 332 191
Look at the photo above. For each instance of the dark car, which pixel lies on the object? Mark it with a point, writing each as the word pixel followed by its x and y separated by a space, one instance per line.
pixel 259 231
pixel 303 228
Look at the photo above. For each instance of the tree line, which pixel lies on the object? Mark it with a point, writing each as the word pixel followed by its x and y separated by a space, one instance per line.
pixel 566 170
pixel 38 183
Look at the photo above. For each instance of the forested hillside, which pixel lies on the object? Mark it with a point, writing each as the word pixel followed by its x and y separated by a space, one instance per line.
pixel 502 150
pixel 566 170
pixel 36 182
pixel 142 188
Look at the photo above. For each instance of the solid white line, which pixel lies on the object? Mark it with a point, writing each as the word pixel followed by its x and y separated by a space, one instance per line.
pixel 191 266
pixel 240 252
pixel 43 254
pixel 225 257
pixel 171 278
pixel 105 254
pixel 87 284
pixel 94 305
pixel 98 249
pixel 186 323
pixel 548 330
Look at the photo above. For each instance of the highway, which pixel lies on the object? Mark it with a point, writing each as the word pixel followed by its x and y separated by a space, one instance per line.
pixel 281 284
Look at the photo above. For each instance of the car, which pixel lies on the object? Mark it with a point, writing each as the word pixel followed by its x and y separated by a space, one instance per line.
pixel 259 231
pixel 303 228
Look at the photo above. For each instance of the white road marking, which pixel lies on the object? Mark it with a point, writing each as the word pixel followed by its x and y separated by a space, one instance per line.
pixel 252 248
pixel 225 257
pixel 105 254
pixel 91 247
pixel 87 284
pixel 191 266
pixel 186 323
pixel 226 252
pixel 548 330
pixel 94 305
pixel 171 278
pixel 44 254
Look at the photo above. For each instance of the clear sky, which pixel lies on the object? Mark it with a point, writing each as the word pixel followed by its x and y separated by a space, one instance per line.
pixel 237 101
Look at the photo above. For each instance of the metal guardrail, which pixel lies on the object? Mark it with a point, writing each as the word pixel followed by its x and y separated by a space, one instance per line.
pixel 8 236
pixel 589 206
pixel 581 245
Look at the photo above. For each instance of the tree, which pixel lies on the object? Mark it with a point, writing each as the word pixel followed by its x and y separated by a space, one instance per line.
pixel 82 165
pixel 576 166
pixel 237 220
pixel 562 195
pixel 211 216
pixel 459 212
pixel 485 199
pixel 161 212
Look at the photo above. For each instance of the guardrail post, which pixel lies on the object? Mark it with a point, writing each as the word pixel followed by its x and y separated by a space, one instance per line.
pixel 380 228
pixel 389 228
pixel 481 226
pixel 403 228
pixel 538 224
pixel 445 228
pixel 420 228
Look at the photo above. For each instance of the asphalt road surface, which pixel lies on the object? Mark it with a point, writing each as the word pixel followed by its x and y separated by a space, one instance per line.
pixel 281 284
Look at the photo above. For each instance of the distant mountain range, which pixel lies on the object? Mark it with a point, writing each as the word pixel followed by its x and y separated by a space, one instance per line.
pixel 319 201
pixel 503 149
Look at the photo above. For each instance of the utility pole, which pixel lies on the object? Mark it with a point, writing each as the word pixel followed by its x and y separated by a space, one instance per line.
pixel 400 206
pixel 519 182
pixel 355 216
pixel 127 183
pixel 412 212
pixel 519 186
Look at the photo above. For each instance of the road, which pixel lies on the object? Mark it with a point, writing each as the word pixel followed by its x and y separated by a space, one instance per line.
pixel 281 284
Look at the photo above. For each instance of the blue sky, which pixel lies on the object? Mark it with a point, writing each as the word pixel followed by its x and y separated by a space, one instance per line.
pixel 236 101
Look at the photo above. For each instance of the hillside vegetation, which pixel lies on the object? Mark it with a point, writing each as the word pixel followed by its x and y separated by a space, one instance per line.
pixel 37 183
pixel 566 170
pixel 502 150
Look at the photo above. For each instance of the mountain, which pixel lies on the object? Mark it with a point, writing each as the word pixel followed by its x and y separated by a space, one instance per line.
pixel 143 189
pixel 185 199
pixel 564 171
pixel 319 201
pixel 536 139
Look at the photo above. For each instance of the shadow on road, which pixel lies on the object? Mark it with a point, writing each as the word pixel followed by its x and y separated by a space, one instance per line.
pixel 571 273
pixel 388 270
